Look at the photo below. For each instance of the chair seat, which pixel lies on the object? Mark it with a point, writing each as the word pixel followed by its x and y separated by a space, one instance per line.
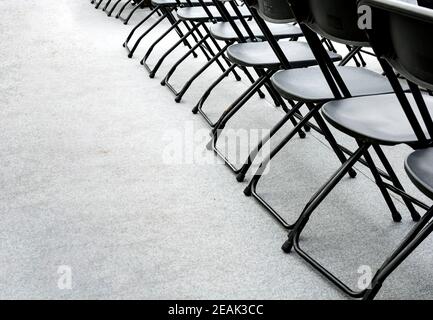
pixel 225 32
pixel 310 84
pixel 379 118
pixel 260 54
pixel 199 14
pixel 419 167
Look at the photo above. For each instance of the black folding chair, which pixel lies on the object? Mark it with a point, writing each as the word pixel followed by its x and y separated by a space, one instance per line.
pixel 401 38
pixel 317 85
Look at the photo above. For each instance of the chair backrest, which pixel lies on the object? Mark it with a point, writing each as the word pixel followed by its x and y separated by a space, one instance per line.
pixel 336 20
pixel 426 3
pixel 402 34
pixel 275 11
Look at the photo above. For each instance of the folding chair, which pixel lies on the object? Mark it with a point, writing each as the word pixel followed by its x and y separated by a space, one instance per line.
pixel 401 38
pixel 317 85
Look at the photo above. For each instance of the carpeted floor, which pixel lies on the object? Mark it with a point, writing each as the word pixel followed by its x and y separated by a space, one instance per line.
pixel 105 176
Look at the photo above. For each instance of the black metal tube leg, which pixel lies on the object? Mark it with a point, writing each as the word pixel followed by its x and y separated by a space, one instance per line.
pixel 106 6
pixel 149 51
pixel 331 139
pixel 183 58
pixel 253 154
pixel 139 25
pixel 198 73
pixel 206 94
pixel 234 107
pixel 138 6
pixel 179 32
pixel 250 77
pixel 396 182
pixel 98 4
pixel 113 8
pixel 417 235
pixel 262 167
pixel 394 212
pixel 167 53
pixel 320 195
pixel 123 8
pixel 137 43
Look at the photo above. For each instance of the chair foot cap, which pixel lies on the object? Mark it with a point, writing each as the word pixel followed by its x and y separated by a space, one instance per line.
pixel 240 177
pixel 287 246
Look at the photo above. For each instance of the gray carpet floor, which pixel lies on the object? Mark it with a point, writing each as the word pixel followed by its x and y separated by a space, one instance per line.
pixel 102 172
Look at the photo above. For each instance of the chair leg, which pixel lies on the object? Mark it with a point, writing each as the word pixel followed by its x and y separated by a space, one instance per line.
pixel 165 81
pixel 262 167
pixel 248 163
pixel 331 139
pixel 130 35
pixel 186 86
pixel 235 107
pixel 251 189
pixel 179 32
pixel 394 212
pixel 98 4
pixel 189 28
pixel 207 48
pixel 350 55
pixel 167 53
pixel 200 103
pixel 218 47
pixel 315 201
pixel 113 8
pixel 415 237
pixel 198 107
pixel 123 8
pixel 137 43
pixel 415 215
pixel 137 6
pixel 106 6
pixel 158 40
pixel 320 195
pixel 251 79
